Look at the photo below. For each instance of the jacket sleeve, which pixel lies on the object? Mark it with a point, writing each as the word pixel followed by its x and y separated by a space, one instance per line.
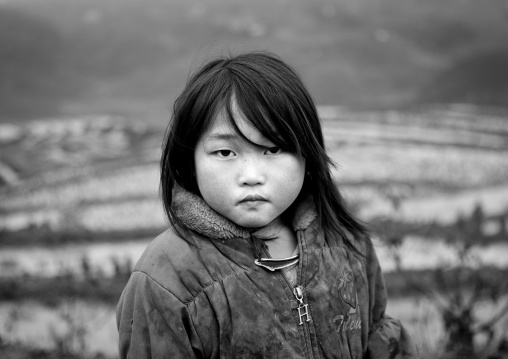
pixel 153 323
pixel 388 339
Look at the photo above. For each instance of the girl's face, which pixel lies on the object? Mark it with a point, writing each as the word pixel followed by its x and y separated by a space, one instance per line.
pixel 251 184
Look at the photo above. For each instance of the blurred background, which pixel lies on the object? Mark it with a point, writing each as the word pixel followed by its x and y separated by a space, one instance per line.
pixel 413 96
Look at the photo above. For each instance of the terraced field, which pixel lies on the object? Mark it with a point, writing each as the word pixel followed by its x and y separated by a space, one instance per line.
pixel 79 198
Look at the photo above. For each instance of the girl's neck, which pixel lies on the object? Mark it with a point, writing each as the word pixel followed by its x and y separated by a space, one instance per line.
pixel 279 238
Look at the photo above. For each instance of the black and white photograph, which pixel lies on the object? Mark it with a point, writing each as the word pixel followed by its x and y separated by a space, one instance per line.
pixel 254 179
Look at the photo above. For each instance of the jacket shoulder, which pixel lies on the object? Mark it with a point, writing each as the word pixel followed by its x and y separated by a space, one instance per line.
pixel 175 264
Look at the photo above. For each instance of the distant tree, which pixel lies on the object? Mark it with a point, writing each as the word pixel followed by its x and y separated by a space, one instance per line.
pixel 459 289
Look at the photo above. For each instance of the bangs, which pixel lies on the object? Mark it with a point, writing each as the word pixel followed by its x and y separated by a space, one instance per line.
pixel 274 118
pixel 268 94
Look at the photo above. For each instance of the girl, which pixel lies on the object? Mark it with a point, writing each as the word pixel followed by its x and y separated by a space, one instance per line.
pixel 262 259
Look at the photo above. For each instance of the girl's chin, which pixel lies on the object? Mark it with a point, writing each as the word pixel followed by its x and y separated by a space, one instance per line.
pixel 253 225
pixel 254 221
pixel 266 225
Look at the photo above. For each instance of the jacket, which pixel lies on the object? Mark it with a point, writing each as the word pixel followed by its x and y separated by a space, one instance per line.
pixel 197 293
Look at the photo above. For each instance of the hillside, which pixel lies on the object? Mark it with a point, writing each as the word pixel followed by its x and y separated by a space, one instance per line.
pixel 95 179
pixel 79 204
pixel 131 58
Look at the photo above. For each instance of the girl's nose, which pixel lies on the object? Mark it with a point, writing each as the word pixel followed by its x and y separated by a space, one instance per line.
pixel 251 173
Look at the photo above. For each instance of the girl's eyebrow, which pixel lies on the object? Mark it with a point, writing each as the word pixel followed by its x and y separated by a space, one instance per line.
pixel 222 136
pixel 233 137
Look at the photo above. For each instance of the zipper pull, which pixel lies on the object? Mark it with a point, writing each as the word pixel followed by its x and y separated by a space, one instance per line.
pixel 303 309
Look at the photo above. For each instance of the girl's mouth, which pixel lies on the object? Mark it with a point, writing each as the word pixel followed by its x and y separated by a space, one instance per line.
pixel 253 198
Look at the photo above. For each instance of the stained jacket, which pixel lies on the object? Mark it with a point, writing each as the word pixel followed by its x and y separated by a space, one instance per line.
pixel 204 297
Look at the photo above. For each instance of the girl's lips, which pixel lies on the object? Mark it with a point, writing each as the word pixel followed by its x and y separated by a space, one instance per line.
pixel 253 198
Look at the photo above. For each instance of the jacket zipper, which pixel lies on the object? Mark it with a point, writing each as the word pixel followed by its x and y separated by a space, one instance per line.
pixel 303 308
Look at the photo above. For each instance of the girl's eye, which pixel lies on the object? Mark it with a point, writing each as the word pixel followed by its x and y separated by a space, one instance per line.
pixel 274 150
pixel 225 153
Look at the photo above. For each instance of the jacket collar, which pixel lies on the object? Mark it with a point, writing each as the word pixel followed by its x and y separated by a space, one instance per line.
pixel 195 214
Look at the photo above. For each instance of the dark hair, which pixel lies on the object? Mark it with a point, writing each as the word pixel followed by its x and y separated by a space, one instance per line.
pixel 274 99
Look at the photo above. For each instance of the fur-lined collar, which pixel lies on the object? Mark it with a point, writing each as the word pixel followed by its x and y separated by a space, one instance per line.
pixel 195 214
